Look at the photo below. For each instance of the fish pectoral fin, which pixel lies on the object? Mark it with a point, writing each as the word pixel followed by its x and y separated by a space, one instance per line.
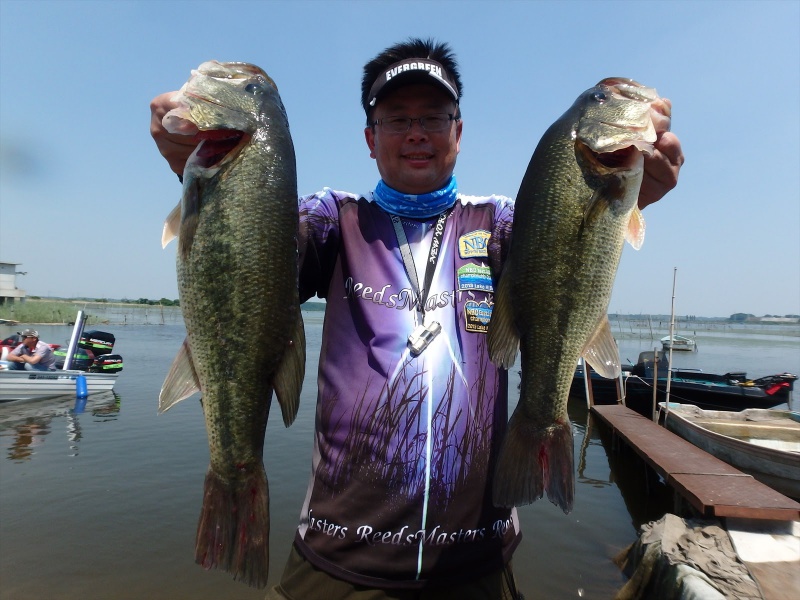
pixel 189 216
pixel 181 381
pixel 503 336
pixel 601 351
pixel 597 205
pixel 288 380
pixel 634 233
pixel 172 225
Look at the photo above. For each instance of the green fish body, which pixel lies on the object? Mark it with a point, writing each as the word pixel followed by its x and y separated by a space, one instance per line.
pixel 237 278
pixel 575 208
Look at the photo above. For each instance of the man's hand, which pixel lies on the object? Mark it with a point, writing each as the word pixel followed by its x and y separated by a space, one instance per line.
pixel 662 168
pixel 173 147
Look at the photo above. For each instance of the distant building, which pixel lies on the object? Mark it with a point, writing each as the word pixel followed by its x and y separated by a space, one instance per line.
pixel 9 292
pixel 779 319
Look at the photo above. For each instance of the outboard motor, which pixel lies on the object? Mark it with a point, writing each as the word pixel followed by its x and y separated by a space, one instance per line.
pixel 101 344
pixel 82 359
pixel 644 366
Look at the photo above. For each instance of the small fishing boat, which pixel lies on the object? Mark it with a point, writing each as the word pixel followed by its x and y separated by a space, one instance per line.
pixel 731 391
pixel 678 343
pixel 762 442
pixel 35 385
pixel 87 360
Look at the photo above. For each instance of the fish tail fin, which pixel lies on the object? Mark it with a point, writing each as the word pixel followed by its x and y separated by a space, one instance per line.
pixel 233 530
pixel 288 380
pixel 503 337
pixel 535 460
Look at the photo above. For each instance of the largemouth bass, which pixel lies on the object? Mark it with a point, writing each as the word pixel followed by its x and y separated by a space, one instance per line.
pixel 576 205
pixel 237 278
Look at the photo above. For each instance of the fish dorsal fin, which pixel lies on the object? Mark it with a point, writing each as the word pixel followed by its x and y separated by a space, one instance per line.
pixel 288 380
pixel 601 351
pixel 181 381
pixel 634 233
pixel 171 226
pixel 503 336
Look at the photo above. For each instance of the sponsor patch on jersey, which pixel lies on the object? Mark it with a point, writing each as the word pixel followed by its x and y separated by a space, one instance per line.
pixel 474 244
pixel 477 316
pixel 475 277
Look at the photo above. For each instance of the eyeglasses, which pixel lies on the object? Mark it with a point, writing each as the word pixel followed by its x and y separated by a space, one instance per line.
pixel 431 123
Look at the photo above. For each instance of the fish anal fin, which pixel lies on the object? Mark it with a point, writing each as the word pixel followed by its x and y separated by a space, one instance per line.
pixel 181 381
pixel 503 336
pixel 634 233
pixel 288 380
pixel 534 461
pixel 601 351
pixel 172 225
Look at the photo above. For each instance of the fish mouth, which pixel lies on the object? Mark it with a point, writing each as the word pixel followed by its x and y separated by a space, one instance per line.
pixel 624 158
pixel 217 145
pixel 619 159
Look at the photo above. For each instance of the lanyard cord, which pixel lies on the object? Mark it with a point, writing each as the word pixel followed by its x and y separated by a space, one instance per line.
pixel 430 267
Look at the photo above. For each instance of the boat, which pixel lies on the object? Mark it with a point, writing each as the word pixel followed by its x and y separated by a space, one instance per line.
pixel 762 442
pixel 88 360
pixel 732 391
pixel 678 343
pixel 36 385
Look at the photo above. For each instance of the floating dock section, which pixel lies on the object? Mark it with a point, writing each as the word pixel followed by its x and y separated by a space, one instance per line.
pixel 711 486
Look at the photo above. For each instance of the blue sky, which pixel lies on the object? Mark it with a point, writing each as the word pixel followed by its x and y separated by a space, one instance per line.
pixel 83 191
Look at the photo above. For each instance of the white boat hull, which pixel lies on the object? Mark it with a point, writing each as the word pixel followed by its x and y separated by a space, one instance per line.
pixel 762 442
pixel 34 385
pixel 678 343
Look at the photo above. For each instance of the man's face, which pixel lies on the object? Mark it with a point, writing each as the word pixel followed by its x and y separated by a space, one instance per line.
pixel 30 341
pixel 417 161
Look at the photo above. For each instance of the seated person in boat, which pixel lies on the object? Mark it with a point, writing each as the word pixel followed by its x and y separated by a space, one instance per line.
pixel 32 354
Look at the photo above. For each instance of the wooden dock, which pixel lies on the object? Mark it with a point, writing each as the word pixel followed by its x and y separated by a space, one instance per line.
pixel 710 485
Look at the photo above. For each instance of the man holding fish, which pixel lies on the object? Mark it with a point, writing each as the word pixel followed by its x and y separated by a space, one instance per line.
pixel 406 498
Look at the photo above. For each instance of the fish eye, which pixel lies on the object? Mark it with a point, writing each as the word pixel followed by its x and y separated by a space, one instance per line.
pixel 600 96
pixel 257 87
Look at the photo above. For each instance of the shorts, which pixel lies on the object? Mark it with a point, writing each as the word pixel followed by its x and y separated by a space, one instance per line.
pixel 303 581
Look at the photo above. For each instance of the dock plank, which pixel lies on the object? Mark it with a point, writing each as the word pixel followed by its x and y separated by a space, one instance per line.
pixel 712 486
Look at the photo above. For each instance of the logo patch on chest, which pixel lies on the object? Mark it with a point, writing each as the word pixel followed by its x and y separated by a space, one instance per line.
pixel 475 277
pixel 474 244
pixel 477 316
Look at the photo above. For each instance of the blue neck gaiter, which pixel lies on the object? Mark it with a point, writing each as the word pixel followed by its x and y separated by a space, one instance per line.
pixel 422 206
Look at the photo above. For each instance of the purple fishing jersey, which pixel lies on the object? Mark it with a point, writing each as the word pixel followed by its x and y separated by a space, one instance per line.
pixel 405 445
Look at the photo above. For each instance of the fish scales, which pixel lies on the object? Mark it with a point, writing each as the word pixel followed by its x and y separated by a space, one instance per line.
pixel 237 278
pixel 575 208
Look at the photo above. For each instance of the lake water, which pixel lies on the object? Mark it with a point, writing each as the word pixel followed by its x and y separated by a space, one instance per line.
pixel 103 503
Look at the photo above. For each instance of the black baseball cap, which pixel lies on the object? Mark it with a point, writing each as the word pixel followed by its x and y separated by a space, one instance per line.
pixel 412 70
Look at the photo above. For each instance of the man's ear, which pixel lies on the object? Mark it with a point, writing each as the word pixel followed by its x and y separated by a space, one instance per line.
pixel 369 136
